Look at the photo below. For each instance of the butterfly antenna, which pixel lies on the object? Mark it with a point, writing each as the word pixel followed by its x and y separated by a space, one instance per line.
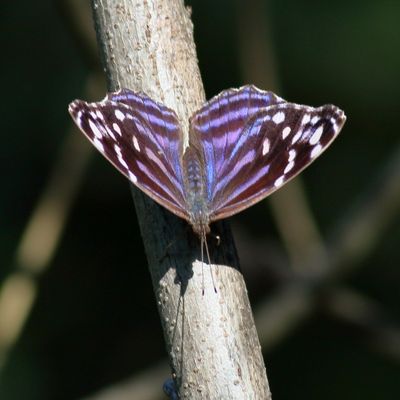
pixel 202 263
pixel 209 261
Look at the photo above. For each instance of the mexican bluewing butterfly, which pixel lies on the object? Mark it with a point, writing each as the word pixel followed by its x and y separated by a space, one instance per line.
pixel 243 145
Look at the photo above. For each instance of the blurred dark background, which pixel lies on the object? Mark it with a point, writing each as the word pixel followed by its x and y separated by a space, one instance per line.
pixel 78 317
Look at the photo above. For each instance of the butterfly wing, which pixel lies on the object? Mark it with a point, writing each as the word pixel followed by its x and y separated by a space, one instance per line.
pixel 275 145
pixel 142 139
pixel 217 126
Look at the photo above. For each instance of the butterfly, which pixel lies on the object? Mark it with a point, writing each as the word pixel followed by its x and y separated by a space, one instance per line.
pixel 243 145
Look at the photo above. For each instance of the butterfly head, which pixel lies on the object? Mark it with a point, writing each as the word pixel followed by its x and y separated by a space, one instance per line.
pixel 200 223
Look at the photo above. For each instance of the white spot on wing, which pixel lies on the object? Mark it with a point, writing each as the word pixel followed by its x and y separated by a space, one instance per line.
pixel 98 144
pixel 286 132
pixel 78 117
pixel 279 181
pixel 95 129
pixel 119 155
pixel 117 128
pixel 132 177
pixel 292 155
pixel 333 122
pixel 266 146
pixel 100 115
pixel 316 136
pixel 117 150
pixel 110 132
pixel 136 143
pixel 119 115
pixel 315 119
pixel 279 117
pixel 305 135
pixel 289 167
pixel 306 119
pixel 296 137
pixel 315 151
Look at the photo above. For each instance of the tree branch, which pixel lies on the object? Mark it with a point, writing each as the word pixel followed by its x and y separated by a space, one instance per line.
pixel 214 352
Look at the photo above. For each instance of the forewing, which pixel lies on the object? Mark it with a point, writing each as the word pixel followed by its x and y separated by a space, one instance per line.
pixel 162 121
pixel 276 144
pixel 142 139
pixel 217 126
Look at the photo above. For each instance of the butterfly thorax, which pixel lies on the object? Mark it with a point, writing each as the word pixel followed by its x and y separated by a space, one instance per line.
pixel 196 193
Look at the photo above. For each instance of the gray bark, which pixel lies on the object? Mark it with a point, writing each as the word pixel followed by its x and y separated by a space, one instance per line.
pixel 213 348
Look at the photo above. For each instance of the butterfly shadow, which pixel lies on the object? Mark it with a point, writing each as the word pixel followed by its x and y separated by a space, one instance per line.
pixel 183 250
pixel 185 247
